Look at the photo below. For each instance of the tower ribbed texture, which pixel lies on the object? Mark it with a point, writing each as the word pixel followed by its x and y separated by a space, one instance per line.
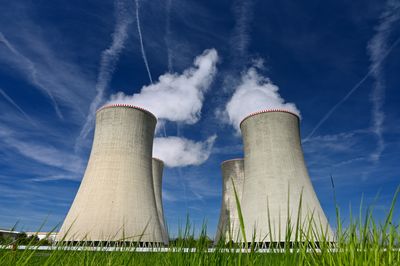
pixel 115 201
pixel 158 167
pixel 229 224
pixel 276 178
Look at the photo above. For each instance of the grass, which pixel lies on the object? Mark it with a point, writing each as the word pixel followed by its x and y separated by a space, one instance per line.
pixel 362 242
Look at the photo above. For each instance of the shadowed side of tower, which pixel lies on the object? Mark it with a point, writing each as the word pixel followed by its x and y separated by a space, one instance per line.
pixel 115 201
pixel 158 167
pixel 276 179
pixel 229 225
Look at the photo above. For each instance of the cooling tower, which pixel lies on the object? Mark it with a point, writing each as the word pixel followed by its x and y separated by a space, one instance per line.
pixel 158 167
pixel 115 201
pixel 276 178
pixel 228 225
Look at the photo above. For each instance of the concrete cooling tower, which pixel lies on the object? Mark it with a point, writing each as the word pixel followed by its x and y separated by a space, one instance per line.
pixel 229 225
pixel 116 200
pixel 276 178
pixel 158 167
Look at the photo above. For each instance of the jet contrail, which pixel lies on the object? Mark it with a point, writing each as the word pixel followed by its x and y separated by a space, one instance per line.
pixel 32 73
pixel 11 101
pixel 352 90
pixel 141 41
pixel 109 59
pixel 377 47
pixel 168 35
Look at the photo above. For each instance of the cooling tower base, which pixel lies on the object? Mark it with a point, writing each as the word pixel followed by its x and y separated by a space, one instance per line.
pixel 112 244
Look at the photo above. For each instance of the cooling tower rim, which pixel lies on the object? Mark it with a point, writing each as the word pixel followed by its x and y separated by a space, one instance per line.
pixel 126 105
pixel 234 159
pixel 268 111
pixel 157 159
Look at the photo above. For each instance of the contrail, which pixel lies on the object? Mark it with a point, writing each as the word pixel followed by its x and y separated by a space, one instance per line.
pixel 243 16
pixel 351 91
pixel 168 35
pixel 109 59
pixel 32 73
pixel 141 41
pixel 376 48
pixel 11 101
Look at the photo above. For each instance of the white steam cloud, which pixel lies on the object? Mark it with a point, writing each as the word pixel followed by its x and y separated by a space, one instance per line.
pixel 255 93
pixel 177 98
pixel 179 152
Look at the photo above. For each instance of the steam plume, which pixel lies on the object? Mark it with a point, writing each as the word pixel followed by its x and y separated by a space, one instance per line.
pixel 254 93
pixel 174 97
pixel 179 152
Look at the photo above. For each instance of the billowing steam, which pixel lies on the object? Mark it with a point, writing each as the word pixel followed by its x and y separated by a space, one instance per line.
pixel 254 93
pixel 179 152
pixel 177 98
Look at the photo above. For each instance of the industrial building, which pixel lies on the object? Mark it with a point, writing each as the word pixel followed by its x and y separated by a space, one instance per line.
pixel 276 179
pixel 116 200
pixel 229 225
pixel 277 193
pixel 158 167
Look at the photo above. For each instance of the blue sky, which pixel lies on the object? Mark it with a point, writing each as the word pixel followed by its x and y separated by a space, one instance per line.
pixel 336 61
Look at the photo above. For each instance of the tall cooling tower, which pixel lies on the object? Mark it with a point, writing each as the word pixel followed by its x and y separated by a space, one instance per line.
pixel 115 201
pixel 229 225
pixel 276 178
pixel 158 167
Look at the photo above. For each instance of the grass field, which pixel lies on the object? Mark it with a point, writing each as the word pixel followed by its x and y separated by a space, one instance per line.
pixel 362 242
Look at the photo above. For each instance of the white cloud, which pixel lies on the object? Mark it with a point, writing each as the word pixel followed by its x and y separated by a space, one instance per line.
pixel 174 97
pixel 179 152
pixel 254 93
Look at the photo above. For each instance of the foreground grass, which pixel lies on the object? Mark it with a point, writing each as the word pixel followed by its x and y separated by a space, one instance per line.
pixel 362 242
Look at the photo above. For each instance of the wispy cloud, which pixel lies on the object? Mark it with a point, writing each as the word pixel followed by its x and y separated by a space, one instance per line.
pixel 351 91
pixel 168 35
pixel 241 38
pixel 168 196
pixel 180 152
pixel 109 59
pixel 146 63
pixel 41 153
pixel 239 42
pixel 377 48
pixel 340 142
pixel 30 50
pixel 11 101
pixel 30 68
